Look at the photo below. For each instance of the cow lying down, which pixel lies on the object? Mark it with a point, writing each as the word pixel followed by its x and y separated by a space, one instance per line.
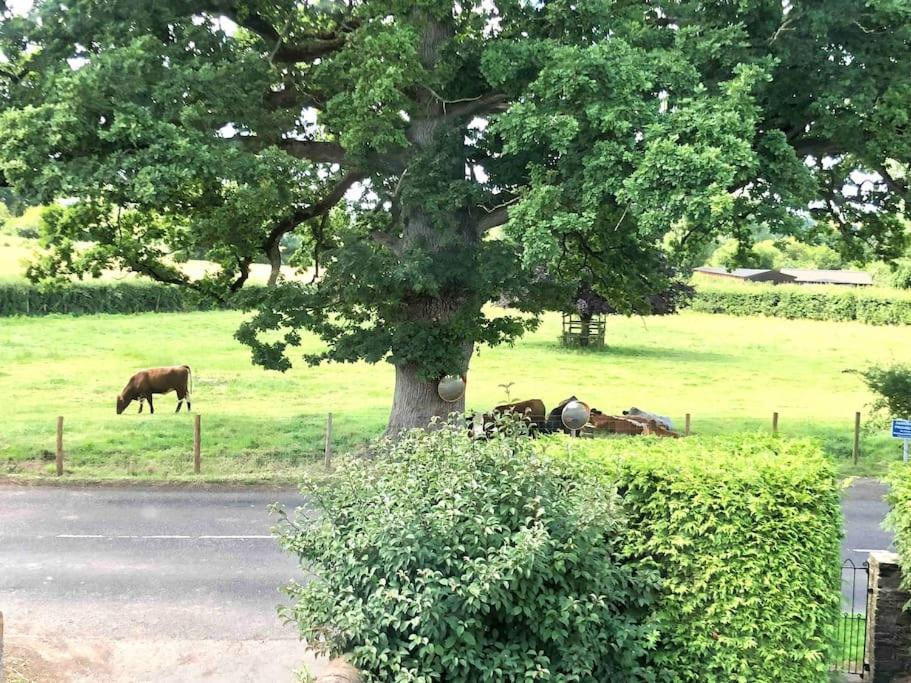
pixel 156 381
pixel 632 422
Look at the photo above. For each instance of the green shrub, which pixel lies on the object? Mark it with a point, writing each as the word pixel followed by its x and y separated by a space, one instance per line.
pixel 899 519
pixel 19 297
pixel 744 532
pixel 892 386
pixel 812 303
pixel 447 559
pixel 901 278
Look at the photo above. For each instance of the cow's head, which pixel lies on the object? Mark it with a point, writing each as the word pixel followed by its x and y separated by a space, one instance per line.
pixel 122 403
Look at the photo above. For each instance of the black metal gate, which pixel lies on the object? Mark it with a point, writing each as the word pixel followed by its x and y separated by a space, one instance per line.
pixel 851 646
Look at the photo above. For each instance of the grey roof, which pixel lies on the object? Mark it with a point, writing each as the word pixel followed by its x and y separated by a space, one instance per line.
pixel 798 275
pixel 837 277
pixel 737 272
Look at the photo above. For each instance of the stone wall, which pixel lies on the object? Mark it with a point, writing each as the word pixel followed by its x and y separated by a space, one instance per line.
pixel 888 624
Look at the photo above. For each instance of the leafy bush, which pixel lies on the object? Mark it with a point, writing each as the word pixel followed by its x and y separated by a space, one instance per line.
pixel 744 532
pixel 892 386
pixel 80 298
pixel 901 278
pixel 899 519
pixel 446 559
pixel 799 301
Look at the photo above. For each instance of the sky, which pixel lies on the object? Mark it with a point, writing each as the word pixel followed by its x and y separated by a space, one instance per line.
pixel 19 6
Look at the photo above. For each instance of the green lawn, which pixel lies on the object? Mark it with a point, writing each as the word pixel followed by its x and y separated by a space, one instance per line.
pixel 730 373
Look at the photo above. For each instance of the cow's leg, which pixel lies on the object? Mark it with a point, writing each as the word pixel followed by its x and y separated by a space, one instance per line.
pixel 151 406
pixel 141 401
pixel 179 402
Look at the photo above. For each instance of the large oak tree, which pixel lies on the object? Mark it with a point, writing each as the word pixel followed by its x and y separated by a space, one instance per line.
pixel 432 156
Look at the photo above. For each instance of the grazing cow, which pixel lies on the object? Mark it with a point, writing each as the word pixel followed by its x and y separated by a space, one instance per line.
pixel 157 381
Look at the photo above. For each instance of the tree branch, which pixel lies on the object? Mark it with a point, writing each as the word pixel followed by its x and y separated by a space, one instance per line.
pixel 496 217
pixel 306 49
pixel 817 147
pixel 243 272
pixel 896 185
pixel 486 104
pixel 313 48
pixel 314 150
pixel 304 214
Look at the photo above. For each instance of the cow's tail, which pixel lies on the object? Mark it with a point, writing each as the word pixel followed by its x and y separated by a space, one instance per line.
pixel 190 382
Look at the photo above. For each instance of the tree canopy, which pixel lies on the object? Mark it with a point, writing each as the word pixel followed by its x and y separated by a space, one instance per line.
pixel 434 156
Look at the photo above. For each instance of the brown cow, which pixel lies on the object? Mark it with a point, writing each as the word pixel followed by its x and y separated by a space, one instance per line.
pixel 532 411
pixel 156 381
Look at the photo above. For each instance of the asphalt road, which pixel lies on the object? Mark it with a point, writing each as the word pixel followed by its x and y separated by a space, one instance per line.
pixel 182 576
pixel 181 585
pixel 864 510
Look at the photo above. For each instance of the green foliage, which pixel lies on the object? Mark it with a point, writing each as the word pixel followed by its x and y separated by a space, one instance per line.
pixel 892 386
pixel 85 298
pixel 899 519
pixel 448 559
pixel 744 532
pixel 775 253
pixel 800 301
pixel 619 136
pixel 901 276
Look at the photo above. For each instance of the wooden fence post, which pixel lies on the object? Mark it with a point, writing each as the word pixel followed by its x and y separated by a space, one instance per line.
pixel 197 442
pixel 856 436
pixel 687 429
pixel 60 445
pixel 328 461
pixel 775 423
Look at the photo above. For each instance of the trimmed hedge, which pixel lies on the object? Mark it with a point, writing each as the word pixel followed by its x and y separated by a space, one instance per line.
pixel 812 303
pixel 744 533
pixel 83 298
pixel 899 519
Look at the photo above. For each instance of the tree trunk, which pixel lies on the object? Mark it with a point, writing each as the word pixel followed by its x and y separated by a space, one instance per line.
pixel 416 401
pixel 586 330
pixel 275 261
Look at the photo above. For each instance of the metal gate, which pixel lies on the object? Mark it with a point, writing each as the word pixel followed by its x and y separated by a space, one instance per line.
pixel 851 646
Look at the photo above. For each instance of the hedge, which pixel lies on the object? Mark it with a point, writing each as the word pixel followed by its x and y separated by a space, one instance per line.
pixel 81 298
pixel 899 519
pixel 877 307
pixel 443 558
pixel 744 532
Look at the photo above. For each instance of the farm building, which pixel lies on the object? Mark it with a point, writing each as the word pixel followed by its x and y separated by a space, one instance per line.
pixel 747 274
pixel 799 276
pixel 854 278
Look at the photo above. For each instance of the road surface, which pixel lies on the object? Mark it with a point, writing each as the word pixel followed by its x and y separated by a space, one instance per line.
pixel 153 584
pixel 864 510
pixel 146 584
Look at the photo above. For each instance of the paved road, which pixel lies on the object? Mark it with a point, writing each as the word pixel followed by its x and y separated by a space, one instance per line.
pixel 864 510
pixel 181 585
pixel 185 577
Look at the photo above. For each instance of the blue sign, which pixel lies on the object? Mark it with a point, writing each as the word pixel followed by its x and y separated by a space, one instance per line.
pixel 901 429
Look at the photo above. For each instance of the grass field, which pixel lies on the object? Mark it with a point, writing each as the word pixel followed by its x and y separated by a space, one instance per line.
pixel 16 253
pixel 730 373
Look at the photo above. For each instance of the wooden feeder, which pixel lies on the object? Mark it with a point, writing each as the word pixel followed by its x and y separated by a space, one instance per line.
pixel 583 331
